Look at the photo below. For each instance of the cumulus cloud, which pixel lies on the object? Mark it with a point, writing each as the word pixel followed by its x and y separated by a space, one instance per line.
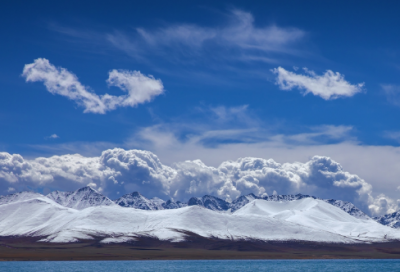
pixel 139 88
pixel 119 170
pixel 330 85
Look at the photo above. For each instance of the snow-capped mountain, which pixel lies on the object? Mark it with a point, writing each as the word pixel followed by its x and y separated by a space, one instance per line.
pixel 137 201
pixel 88 197
pixel 81 198
pixel 210 202
pixel 391 219
pixel 241 201
pixel 348 207
pixel 306 219
pixel 277 197
pixel 170 204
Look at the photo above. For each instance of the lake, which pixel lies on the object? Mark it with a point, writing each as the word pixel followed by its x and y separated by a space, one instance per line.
pixel 212 265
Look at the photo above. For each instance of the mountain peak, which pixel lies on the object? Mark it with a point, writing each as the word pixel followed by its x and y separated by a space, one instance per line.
pixel 390 219
pixel 138 201
pixel 80 199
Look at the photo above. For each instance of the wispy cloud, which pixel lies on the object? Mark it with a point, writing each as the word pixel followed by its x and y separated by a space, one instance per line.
pixel 392 93
pixel 140 88
pixel 238 39
pixel 394 135
pixel 330 85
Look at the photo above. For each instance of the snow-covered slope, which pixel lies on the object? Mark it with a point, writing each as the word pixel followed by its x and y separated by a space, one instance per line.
pixel 392 220
pixel 18 197
pixel 306 219
pixel 81 198
pixel 316 213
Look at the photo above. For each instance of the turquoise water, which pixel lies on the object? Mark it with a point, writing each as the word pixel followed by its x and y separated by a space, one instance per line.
pixel 193 266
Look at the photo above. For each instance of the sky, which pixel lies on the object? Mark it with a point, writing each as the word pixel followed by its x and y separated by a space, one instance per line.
pixel 185 98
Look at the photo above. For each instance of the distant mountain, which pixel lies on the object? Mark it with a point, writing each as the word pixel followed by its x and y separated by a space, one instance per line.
pixel 391 220
pixel 241 201
pixel 348 207
pixel 287 197
pixel 81 198
pixel 170 204
pixel 137 201
pixel 210 202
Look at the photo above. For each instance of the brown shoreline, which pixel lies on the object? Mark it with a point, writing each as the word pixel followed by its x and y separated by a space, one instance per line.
pixel 197 248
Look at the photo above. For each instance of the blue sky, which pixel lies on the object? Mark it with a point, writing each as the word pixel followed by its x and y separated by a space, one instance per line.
pixel 217 65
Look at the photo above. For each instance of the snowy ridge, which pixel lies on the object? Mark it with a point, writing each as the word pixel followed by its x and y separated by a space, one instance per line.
pixel 88 197
pixel 306 219
pixel 210 202
pixel 348 207
pixel 21 196
pixel 392 220
pixel 241 201
pixel 138 201
pixel 80 199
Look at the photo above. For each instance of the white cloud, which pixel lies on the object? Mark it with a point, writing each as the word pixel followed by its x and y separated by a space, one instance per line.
pixel 139 88
pixel 119 170
pixel 52 136
pixel 330 85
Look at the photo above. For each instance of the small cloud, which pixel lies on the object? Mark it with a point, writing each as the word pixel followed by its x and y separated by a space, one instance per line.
pixel 295 68
pixel 330 85
pixel 10 189
pixel 392 93
pixel 53 136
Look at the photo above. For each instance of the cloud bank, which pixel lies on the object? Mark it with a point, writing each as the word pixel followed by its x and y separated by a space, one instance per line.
pixel 118 171
pixel 139 88
pixel 330 85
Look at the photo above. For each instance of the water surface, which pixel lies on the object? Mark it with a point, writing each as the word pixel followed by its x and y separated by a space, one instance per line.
pixel 214 265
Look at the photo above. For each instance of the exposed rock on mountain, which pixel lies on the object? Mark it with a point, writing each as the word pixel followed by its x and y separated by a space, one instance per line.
pixel 391 220
pixel 81 198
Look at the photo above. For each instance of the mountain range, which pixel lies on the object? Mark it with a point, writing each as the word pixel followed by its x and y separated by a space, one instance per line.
pixel 86 213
